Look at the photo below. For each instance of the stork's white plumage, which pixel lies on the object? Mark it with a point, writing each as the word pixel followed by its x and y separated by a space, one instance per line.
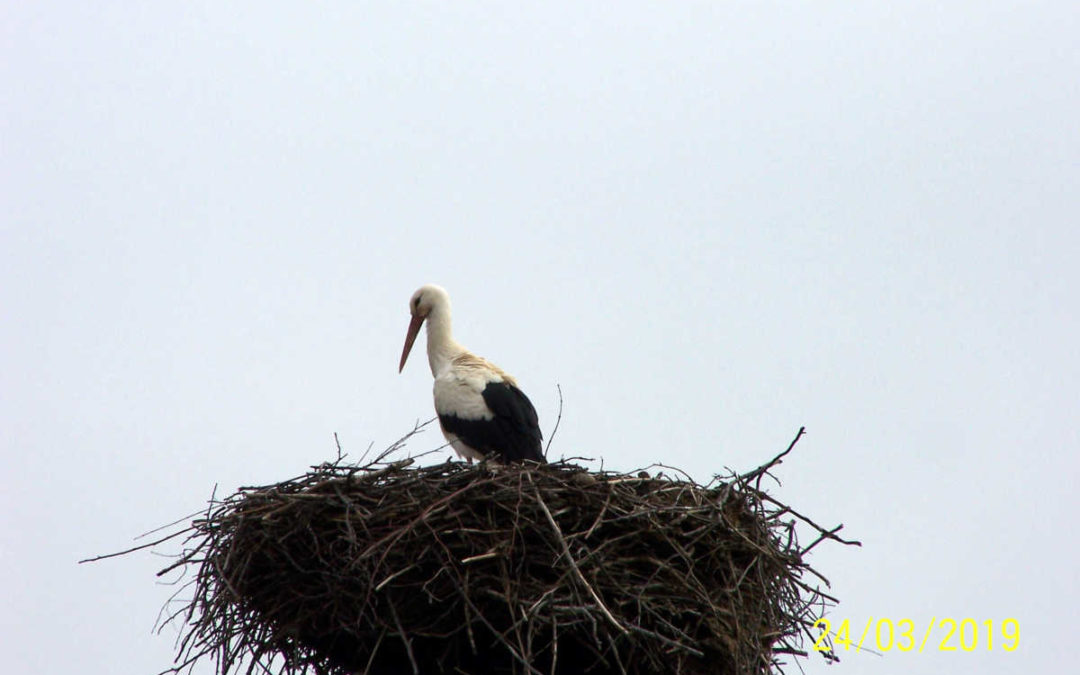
pixel 481 411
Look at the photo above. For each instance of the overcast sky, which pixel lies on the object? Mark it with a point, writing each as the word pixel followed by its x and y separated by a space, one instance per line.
pixel 710 223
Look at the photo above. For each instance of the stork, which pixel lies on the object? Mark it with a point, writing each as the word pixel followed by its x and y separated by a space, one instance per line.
pixel 481 411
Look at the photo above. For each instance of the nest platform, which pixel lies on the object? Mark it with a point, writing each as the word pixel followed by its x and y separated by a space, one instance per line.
pixel 395 569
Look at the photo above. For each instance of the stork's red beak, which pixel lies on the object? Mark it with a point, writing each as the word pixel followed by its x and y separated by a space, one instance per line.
pixel 410 338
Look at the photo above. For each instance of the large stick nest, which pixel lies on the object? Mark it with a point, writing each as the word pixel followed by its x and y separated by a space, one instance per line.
pixel 390 568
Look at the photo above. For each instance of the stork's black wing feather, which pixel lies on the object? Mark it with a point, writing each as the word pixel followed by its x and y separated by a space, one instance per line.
pixel 515 418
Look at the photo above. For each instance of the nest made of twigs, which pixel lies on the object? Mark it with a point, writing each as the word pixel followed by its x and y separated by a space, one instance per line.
pixel 390 568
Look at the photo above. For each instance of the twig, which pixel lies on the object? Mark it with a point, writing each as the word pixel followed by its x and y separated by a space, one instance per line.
pixel 405 639
pixel 557 420
pixel 337 444
pixel 136 548
pixel 168 525
pixel 764 468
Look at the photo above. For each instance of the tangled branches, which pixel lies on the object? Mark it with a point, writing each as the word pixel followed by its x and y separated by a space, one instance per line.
pixel 390 568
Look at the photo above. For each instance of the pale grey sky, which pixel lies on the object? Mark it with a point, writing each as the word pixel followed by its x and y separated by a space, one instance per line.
pixel 709 222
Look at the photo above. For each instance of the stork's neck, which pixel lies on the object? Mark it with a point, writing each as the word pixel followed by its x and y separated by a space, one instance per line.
pixel 441 346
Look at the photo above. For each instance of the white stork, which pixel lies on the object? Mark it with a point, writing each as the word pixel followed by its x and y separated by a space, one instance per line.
pixel 481 411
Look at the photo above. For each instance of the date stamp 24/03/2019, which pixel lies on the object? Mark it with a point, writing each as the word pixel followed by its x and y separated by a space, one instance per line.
pixel 953 635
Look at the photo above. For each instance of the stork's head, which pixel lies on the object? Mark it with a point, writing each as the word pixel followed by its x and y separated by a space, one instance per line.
pixel 426 300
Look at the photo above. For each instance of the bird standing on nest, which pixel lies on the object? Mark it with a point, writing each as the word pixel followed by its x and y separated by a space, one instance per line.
pixel 481 411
